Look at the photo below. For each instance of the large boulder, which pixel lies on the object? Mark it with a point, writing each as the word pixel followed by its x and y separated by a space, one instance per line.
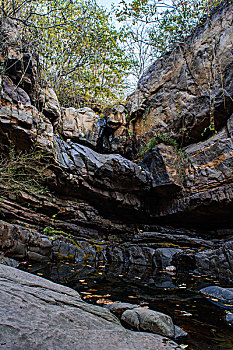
pixel 19 242
pixel 110 177
pixel 222 297
pixel 118 308
pixel 36 313
pixel 49 104
pixel 165 166
pixel 147 320
pixel 80 125
pixel 163 257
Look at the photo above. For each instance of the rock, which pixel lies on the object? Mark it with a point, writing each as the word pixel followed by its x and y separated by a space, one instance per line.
pixel 172 95
pixel 163 257
pixel 109 177
pixel 115 135
pixel 80 125
pixel 8 261
pixel 229 318
pixel 217 262
pixel 179 333
pixel 109 197
pixel 163 164
pixel 222 297
pixel 15 94
pixel 230 126
pixel 173 236
pixel 170 268
pixel 135 255
pixel 148 255
pixel 118 308
pixel 116 116
pixel 206 174
pixel 25 125
pixel 115 253
pixel 111 171
pixel 44 315
pixel 185 261
pixel 50 104
pixel 10 32
pixel 172 101
pixel 20 61
pixel 148 320
pixel 22 243
pixel 106 134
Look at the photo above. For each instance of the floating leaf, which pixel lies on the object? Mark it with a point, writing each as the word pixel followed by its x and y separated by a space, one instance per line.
pixel 185 313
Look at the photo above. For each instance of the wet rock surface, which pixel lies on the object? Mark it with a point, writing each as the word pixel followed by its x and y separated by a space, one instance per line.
pixel 8 261
pixel 218 262
pixel 223 297
pixel 163 257
pixel 179 333
pixel 229 318
pixel 23 243
pixel 146 319
pixel 61 319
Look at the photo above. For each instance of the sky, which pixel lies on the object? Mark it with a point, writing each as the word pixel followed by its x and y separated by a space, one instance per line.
pixel 107 3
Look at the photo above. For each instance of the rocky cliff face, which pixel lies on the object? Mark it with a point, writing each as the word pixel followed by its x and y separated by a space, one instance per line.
pixel 184 178
pixel 189 88
pixel 186 96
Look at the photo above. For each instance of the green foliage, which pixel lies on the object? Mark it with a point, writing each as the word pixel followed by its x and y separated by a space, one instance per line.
pixel 210 128
pixel 154 141
pixel 51 231
pixel 80 50
pixel 168 23
pixel 24 171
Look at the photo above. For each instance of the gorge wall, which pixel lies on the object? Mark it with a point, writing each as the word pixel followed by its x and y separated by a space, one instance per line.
pixel 96 187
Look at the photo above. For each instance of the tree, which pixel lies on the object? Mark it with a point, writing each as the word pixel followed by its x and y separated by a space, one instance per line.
pixel 79 49
pixel 139 49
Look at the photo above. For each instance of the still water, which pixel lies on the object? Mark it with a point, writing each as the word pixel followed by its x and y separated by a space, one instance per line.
pixel 176 295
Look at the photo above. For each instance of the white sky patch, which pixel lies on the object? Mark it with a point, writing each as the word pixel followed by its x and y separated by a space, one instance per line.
pixel 108 3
